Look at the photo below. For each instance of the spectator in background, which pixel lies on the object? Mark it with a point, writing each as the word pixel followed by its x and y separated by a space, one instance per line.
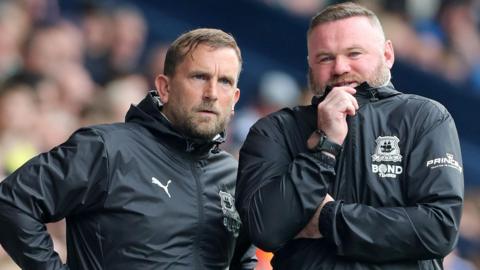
pixel 276 90
pixel 52 47
pixel 156 58
pixel 112 104
pixel 364 178
pixel 438 36
pixel 97 24
pixel 14 26
pixel 458 20
pixel 155 192
pixel 54 126
pixel 19 110
pixel 123 92
pixel 115 39
pixel 42 11
pixel 76 88
pixel 469 241
pixel 466 255
pixel 26 128
pixel 129 35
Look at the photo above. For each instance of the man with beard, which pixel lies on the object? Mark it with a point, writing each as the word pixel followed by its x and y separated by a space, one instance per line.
pixel 154 192
pixel 364 178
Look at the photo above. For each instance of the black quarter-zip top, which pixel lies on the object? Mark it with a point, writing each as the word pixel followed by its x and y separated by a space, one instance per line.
pixel 397 186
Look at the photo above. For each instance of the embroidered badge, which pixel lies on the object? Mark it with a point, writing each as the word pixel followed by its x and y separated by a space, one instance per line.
pixel 231 219
pixel 387 149
pixel 386 152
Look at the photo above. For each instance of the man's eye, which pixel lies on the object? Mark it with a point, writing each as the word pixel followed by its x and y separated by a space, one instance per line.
pixel 354 54
pixel 200 76
pixel 226 81
pixel 325 59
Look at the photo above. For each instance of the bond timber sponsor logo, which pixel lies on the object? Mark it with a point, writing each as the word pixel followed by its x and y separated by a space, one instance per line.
pixel 231 218
pixel 387 170
pixel 447 161
pixel 387 153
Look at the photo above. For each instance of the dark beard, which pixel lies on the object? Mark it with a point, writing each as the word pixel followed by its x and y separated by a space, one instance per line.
pixel 191 125
pixel 191 129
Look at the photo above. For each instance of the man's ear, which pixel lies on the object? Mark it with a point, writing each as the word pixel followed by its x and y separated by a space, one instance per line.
pixel 389 54
pixel 236 96
pixel 162 83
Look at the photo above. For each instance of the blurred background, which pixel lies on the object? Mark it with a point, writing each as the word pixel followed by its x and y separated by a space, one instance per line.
pixel 67 64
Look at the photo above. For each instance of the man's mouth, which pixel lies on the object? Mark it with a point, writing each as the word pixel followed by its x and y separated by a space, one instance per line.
pixel 210 112
pixel 346 83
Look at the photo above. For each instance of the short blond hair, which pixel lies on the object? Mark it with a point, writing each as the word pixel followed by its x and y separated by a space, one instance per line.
pixel 343 11
pixel 187 42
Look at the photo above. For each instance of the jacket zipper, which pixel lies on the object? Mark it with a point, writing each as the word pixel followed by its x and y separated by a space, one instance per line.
pixel 349 158
pixel 373 95
pixel 189 147
pixel 200 216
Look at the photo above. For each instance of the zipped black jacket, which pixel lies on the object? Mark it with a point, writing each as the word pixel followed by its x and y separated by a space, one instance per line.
pixel 397 185
pixel 136 195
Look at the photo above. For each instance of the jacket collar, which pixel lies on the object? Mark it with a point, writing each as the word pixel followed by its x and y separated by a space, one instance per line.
pixel 148 114
pixel 365 93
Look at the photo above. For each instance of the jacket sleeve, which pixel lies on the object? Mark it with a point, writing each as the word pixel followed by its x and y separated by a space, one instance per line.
pixel 68 180
pixel 277 193
pixel 427 227
pixel 244 257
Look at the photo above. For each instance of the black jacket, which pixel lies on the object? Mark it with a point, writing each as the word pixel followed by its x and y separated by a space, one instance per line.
pixel 136 195
pixel 397 185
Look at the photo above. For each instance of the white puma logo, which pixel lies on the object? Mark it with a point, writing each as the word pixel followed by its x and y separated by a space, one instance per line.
pixel 165 187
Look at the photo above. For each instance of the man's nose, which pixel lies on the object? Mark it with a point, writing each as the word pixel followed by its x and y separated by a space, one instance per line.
pixel 211 90
pixel 342 65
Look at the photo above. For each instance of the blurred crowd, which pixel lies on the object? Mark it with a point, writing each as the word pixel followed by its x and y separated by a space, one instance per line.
pixel 59 72
pixel 439 36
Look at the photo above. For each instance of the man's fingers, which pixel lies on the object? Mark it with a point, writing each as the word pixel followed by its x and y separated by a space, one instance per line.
pixel 350 110
pixel 339 95
pixel 354 102
pixel 352 106
pixel 342 105
pixel 349 90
